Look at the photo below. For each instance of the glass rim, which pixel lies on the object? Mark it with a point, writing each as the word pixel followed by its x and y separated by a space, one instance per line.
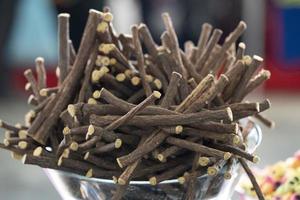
pixel 258 136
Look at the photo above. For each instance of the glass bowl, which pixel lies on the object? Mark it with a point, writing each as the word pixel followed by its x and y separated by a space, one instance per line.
pixel 76 187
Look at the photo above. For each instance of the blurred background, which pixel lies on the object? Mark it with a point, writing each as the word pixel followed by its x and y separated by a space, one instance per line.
pixel 28 29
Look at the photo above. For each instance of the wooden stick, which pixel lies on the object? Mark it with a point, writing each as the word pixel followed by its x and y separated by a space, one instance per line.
pixel 125 106
pixel 155 95
pixel 140 59
pixel 171 90
pixel 87 74
pixel 231 39
pixel 238 95
pixel 256 81
pixel 236 151
pixel 240 51
pixel 196 93
pixel 252 179
pixel 267 122
pixel 41 73
pixel 209 94
pixel 234 75
pixel 174 42
pixel 226 138
pixel 33 84
pixel 98 161
pixel 216 35
pixel 63 45
pixel 203 38
pixel 167 120
pixel 147 39
pixel 154 180
pixel 162 156
pixel 198 148
pixel 72 54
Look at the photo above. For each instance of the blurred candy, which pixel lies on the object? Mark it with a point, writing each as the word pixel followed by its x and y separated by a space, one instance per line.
pixel 280 181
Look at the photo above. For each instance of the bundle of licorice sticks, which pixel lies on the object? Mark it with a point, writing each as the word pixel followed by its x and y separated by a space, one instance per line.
pixel 128 108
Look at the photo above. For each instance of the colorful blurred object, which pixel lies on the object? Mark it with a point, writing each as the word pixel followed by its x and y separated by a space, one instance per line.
pixel 283 44
pixel 280 181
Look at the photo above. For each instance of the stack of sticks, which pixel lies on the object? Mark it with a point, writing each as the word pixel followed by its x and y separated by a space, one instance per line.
pixel 128 108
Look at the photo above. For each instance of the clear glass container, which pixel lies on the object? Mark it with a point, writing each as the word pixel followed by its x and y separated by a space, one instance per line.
pixel 75 187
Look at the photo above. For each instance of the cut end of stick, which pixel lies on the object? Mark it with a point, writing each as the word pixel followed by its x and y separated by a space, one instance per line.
pixel 6 142
pixel 27 86
pixel 227 175
pixel 135 80
pixel 91 129
pixel 118 143
pixel 103 61
pixel 71 110
pixel 120 77
pixel 63 15
pixel 102 27
pixel 119 162
pixel 108 17
pixel 57 72
pixel 157 83
pixel 236 129
pixel 229 113
pixel 149 78
pixel 115 179
pixel 60 161
pixel 268 102
pixel 22 144
pixel 257 107
pixel 27 72
pixel 86 155
pixel 178 129
pixel 247 60
pixel 18 125
pixel 203 161
pixel 156 94
pixel 236 139
pixel 66 153
pixel 242 45
pixel 74 146
pixel 97 94
pixel 256 159
pixel 17 157
pixel 121 181
pixel 160 157
pixel 66 130
pixel 153 181
pixel 43 92
pixel 37 151
pixel 243 25
pixel 106 48
pixel 212 171
pixel 22 134
pixel 89 173
pixel 112 61
pixel 206 26
pixel 128 72
pixel 227 155
pixel 92 101
pixel 41 60
pixel 181 180
pixel 258 58
pixel 266 74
